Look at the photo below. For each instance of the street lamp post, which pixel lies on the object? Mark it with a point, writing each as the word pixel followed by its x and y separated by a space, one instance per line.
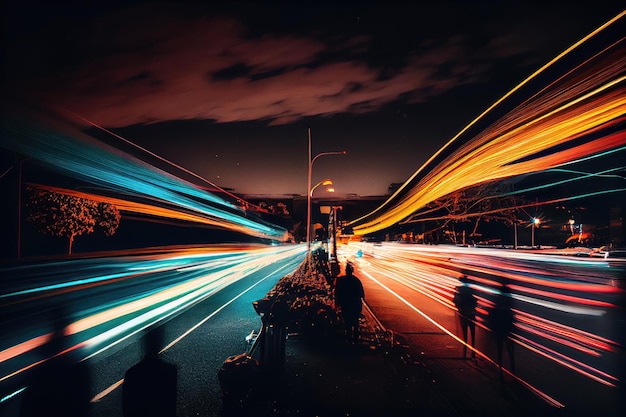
pixel 535 222
pixel 310 190
pixel 328 190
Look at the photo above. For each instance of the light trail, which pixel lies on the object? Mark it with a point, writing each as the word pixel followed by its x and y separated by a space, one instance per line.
pixel 208 216
pixel 132 269
pixel 566 309
pixel 159 157
pixel 422 215
pixel 590 104
pixel 146 189
pixel 153 289
pixel 548 399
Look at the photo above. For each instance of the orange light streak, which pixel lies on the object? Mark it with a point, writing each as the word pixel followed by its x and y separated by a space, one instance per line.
pixel 168 213
pixel 579 107
pixel 24 347
pixel 249 260
pixel 34 364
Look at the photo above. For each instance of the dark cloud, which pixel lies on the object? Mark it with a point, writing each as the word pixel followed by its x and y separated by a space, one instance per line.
pixel 130 63
pixel 175 61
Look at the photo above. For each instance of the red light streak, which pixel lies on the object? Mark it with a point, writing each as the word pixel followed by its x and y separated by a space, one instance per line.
pixel 563 297
pixel 570 320
pixel 559 340
pixel 24 347
pixel 595 341
pixel 574 365
pixel 535 390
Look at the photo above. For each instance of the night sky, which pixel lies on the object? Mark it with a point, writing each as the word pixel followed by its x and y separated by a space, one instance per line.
pixel 229 90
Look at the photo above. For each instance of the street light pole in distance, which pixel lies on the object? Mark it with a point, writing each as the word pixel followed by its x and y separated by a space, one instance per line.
pixel 312 159
pixel 535 223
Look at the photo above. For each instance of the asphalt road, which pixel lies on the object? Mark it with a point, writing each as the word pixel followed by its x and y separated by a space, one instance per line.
pixel 199 355
pixel 200 297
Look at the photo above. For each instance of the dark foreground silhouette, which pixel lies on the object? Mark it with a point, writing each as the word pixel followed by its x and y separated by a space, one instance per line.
pixel 150 386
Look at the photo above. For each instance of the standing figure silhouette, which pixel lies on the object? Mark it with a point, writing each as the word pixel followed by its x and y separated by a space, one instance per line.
pixel 501 324
pixel 465 302
pixel 349 297
pixel 150 387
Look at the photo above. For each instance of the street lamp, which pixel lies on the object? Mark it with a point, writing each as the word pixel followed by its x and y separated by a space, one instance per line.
pixel 328 190
pixel 571 222
pixel 310 190
pixel 325 182
pixel 535 223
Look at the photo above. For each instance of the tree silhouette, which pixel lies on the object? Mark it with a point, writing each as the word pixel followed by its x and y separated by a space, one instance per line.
pixel 490 201
pixel 69 216
pixel 108 218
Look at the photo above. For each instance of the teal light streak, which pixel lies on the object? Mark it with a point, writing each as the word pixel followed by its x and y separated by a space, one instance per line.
pixel 590 174
pixel 66 284
pixel 177 263
pixel 180 302
pixel 553 184
pixel 11 395
pixel 95 162
pixel 597 155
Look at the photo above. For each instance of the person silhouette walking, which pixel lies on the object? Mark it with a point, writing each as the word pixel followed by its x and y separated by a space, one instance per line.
pixel 465 302
pixel 501 324
pixel 150 386
pixel 349 295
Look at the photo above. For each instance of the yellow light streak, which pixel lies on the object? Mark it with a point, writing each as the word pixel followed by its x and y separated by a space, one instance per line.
pixel 582 104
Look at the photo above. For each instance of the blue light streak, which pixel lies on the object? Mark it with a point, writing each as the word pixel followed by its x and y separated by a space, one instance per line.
pixel 106 312
pixel 87 159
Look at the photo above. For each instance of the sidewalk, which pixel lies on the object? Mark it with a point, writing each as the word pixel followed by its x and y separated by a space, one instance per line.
pixel 322 375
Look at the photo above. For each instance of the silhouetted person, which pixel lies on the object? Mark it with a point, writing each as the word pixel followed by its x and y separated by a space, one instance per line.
pixel 60 385
pixel 501 324
pixel 348 299
pixel 465 302
pixel 150 386
pixel 321 264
